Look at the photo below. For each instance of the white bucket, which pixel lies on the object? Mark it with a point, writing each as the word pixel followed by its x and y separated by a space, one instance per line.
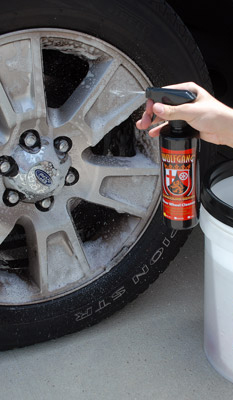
pixel 216 220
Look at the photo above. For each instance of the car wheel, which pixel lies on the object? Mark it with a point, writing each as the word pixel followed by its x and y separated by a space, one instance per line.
pixel 81 229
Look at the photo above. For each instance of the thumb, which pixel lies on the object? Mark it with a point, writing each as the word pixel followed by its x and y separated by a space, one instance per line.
pixel 168 112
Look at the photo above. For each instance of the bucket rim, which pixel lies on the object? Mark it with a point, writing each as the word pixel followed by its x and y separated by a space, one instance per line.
pixel 213 204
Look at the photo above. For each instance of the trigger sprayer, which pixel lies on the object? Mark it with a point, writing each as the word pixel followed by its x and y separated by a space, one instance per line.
pixel 179 149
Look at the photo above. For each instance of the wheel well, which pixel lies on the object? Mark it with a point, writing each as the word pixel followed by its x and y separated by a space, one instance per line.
pixel 213 31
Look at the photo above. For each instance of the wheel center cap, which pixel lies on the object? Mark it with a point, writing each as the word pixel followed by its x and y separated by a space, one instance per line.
pixel 40 175
pixel 43 178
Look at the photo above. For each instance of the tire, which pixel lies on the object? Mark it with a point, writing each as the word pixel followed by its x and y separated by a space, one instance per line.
pixel 154 47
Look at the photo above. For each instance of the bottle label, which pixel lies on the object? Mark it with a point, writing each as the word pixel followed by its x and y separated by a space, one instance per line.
pixel 178 180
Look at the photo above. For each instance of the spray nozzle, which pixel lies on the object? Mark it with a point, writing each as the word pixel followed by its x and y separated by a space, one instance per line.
pixel 172 97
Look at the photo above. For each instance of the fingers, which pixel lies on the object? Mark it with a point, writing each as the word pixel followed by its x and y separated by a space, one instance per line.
pixel 145 122
pixel 193 87
pixel 147 118
pixel 156 131
pixel 149 107
pixel 170 113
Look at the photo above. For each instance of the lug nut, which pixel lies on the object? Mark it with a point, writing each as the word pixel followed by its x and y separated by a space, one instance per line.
pixel 72 177
pixel 11 197
pixel 8 166
pixel 62 144
pixel 45 204
pixel 30 141
pixel 5 167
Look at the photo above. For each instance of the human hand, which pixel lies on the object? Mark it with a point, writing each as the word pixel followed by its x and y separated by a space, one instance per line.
pixel 212 118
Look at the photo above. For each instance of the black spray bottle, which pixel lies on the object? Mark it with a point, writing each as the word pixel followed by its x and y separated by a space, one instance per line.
pixel 179 149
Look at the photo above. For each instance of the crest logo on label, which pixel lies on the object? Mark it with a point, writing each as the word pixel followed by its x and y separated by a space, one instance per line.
pixel 177 181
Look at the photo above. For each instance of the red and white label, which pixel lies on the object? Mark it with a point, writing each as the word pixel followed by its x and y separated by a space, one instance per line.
pixel 178 178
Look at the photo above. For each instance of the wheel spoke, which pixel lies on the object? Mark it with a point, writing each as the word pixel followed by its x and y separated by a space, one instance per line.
pixel 22 77
pixel 37 254
pixel 94 108
pixel 110 109
pixel 22 92
pixel 8 218
pixel 118 182
pixel 6 225
pixel 37 78
pixel 56 254
pixel 7 115
pixel 121 206
pixel 82 99
pixel 139 165
pixel 16 73
pixel 72 237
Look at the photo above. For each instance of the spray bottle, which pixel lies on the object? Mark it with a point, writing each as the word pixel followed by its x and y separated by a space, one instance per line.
pixel 179 149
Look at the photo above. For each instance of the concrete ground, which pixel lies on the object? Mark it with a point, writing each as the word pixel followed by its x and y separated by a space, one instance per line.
pixel 152 349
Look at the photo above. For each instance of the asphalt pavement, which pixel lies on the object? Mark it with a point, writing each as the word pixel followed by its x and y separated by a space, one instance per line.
pixel 152 349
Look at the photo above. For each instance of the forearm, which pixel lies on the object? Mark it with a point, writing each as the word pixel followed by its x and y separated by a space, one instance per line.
pixel 225 127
